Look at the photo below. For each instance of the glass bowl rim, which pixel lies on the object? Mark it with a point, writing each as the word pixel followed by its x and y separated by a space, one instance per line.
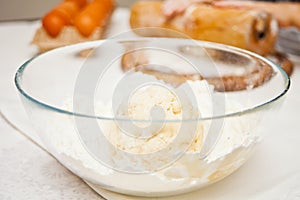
pixel 20 71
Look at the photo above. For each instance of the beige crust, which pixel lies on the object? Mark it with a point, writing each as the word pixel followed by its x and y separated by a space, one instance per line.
pixel 69 35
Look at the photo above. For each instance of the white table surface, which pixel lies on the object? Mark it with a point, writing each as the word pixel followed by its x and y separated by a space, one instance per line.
pixel 27 172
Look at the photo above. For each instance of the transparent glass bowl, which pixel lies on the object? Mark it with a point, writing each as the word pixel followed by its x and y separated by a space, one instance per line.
pixel 68 94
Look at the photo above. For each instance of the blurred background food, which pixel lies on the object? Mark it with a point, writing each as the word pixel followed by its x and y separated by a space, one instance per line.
pixel 24 9
pixel 73 21
pixel 254 30
pixel 245 24
pixel 288 39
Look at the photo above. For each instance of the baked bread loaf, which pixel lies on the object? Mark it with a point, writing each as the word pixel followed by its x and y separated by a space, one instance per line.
pixel 254 30
pixel 286 13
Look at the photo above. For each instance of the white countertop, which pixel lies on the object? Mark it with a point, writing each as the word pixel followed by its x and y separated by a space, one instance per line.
pixel 27 172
